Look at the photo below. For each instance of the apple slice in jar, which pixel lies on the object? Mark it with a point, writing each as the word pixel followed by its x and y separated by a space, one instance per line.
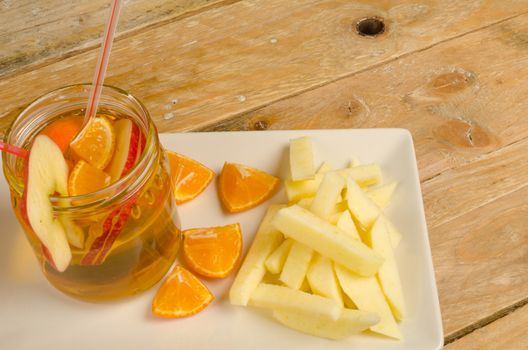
pixel 47 174
pixel 130 143
pixel 111 228
pixel 127 149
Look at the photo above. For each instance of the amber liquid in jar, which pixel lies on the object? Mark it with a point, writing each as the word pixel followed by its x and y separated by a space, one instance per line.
pixel 143 218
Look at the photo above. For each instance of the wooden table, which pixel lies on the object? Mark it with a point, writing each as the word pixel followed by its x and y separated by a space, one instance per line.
pixel 455 73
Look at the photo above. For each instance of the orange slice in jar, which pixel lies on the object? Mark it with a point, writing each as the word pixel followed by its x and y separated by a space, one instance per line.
pixel 63 130
pixel 212 251
pixel 96 143
pixel 180 295
pixel 189 177
pixel 85 178
pixel 241 187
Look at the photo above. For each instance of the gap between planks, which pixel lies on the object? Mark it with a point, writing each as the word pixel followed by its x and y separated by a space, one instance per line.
pixel 215 125
pixel 476 159
pixel 484 322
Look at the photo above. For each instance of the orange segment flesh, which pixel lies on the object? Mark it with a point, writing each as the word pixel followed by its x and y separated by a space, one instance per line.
pixel 242 187
pixel 85 178
pixel 190 178
pixel 63 130
pixel 96 144
pixel 212 251
pixel 180 295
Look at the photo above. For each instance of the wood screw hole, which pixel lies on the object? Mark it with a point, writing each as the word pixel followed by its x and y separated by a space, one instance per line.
pixel 370 26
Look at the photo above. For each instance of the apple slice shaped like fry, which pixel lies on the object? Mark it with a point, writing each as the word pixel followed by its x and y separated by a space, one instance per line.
pixel 301 159
pixel 303 226
pixel 282 298
pixel 47 175
pixel 266 240
pixel 275 262
pixel 322 279
pixel 294 270
pixel 350 322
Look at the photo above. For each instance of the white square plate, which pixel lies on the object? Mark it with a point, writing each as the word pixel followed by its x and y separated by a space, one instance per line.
pixel 34 315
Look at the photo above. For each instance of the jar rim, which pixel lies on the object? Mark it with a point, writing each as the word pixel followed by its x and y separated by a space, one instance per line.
pixel 130 180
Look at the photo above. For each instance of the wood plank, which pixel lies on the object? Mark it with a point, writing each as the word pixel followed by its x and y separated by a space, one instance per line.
pixel 462 189
pixel 481 260
pixel 33 33
pixel 508 332
pixel 460 99
pixel 236 58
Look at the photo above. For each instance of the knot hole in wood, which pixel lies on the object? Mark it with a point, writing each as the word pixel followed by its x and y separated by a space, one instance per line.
pixel 260 125
pixel 370 26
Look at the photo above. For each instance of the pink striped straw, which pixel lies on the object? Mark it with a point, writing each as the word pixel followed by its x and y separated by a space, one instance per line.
pixel 17 151
pixel 97 85
pixel 102 61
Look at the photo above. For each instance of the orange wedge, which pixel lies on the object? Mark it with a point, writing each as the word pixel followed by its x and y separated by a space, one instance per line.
pixel 212 251
pixel 85 178
pixel 242 187
pixel 180 295
pixel 190 178
pixel 96 144
pixel 63 130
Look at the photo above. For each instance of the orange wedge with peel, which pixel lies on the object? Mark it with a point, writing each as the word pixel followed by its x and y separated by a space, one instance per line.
pixel 189 177
pixel 85 178
pixel 241 187
pixel 213 251
pixel 96 143
pixel 181 295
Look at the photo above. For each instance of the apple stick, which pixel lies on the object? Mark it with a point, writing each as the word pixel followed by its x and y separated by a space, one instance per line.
pixel 394 234
pixel 349 322
pixel 366 293
pixel 266 240
pixel 301 159
pixel 324 168
pixel 322 279
pixel 327 195
pixel 296 265
pixel 346 224
pixel 326 239
pixel 360 205
pixel 388 274
pixel 382 195
pixel 275 262
pixel 364 175
pixel 286 299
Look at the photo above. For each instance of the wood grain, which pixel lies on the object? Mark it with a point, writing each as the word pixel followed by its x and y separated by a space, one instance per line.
pixel 236 58
pixel 459 190
pixel 459 99
pixel 33 33
pixel 508 332
pixel 481 260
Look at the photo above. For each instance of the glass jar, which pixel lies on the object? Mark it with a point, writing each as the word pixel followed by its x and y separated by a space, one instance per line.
pixel 130 230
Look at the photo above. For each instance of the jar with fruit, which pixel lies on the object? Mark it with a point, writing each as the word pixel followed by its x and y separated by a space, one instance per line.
pixel 98 208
